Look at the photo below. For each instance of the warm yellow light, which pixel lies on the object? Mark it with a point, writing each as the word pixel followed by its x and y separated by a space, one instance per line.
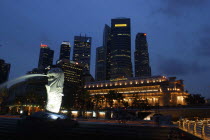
pixel 120 25
pixel 102 113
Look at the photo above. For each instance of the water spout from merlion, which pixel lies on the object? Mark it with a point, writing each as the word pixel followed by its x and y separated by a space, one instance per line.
pixel 21 78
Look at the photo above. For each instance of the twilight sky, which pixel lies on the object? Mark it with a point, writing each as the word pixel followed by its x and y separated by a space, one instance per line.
pixel 178 33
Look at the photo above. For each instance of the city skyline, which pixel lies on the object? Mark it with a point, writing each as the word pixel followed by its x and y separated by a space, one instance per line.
pixel 177 34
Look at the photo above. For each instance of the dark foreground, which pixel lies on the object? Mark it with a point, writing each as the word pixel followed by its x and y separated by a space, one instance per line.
pixel 85 130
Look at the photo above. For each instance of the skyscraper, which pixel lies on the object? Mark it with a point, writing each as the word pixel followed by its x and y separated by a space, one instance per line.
pixel 100 64
pixel 107 45
pixel 65 50
pixel 120 50
pixel 142 66
pixel 102 71
pixel 72 81
pixel 4 71
pixel 82 51
pixel 45 56
pixel 72 71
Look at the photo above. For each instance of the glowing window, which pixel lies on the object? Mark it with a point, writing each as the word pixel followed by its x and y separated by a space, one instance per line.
pixel 120 25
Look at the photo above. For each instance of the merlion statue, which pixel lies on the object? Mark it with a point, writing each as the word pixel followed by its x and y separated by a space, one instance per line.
pixel 54 89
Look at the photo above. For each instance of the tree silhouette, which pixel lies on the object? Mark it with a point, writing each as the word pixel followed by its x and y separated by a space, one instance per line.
pixel 85 100
pixel 110 96
pixel 195 99
pixel 140 103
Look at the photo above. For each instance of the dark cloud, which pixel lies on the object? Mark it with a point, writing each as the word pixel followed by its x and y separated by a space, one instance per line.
pixel 203 45
pixel 171 66
pixel 203 49
pixel 185 3
pixel 180 8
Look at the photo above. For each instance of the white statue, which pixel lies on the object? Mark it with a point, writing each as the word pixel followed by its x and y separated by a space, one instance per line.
pixel 54 89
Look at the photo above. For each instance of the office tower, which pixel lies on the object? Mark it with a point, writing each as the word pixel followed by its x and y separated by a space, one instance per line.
pixel 120 50
pixel 4 71
pixel 73 83
pixel 100 72
pixel 72 71
pixel 65 50
pixel 106 36
pixel 45 56
pixel 82 51
pixel 107 45
pixel 142 66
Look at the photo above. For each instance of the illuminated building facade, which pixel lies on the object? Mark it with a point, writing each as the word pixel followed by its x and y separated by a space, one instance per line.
pixel 72 71
pixel 157 90
pixel 29 95
pixel 65 50
pixel 45 56
pixel 4 71
pixel 73 81
pixel 120 50
pixel 142 66
pixel 82 51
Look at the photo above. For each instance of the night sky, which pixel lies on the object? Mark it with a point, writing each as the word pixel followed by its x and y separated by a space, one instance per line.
pixel 178 33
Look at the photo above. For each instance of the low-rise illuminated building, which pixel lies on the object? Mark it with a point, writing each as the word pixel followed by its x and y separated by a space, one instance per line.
pixel 28 95
pixel 157 90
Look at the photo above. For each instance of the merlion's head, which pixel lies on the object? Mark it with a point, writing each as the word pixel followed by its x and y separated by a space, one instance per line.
pixel 54 73
pixel 55 76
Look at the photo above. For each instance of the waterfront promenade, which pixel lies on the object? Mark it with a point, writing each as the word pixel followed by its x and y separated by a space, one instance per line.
pixel 92 128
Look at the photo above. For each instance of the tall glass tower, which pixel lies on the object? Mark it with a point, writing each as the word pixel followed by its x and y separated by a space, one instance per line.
pixel 45 56
pixel 82 51
pixel 120 50
pixel 65 50
pixel 100 71
pixel 107 45
pixel 142 66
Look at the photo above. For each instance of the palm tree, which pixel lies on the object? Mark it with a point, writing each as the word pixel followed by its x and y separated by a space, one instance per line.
pixel 125 104
pixel 119 98
pixel 110 96
pixel 84 99
pixel 135 100
pixel 85 102
pixel 97 99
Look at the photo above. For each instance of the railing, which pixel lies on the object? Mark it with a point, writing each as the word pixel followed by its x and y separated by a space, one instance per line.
pixel 199 128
